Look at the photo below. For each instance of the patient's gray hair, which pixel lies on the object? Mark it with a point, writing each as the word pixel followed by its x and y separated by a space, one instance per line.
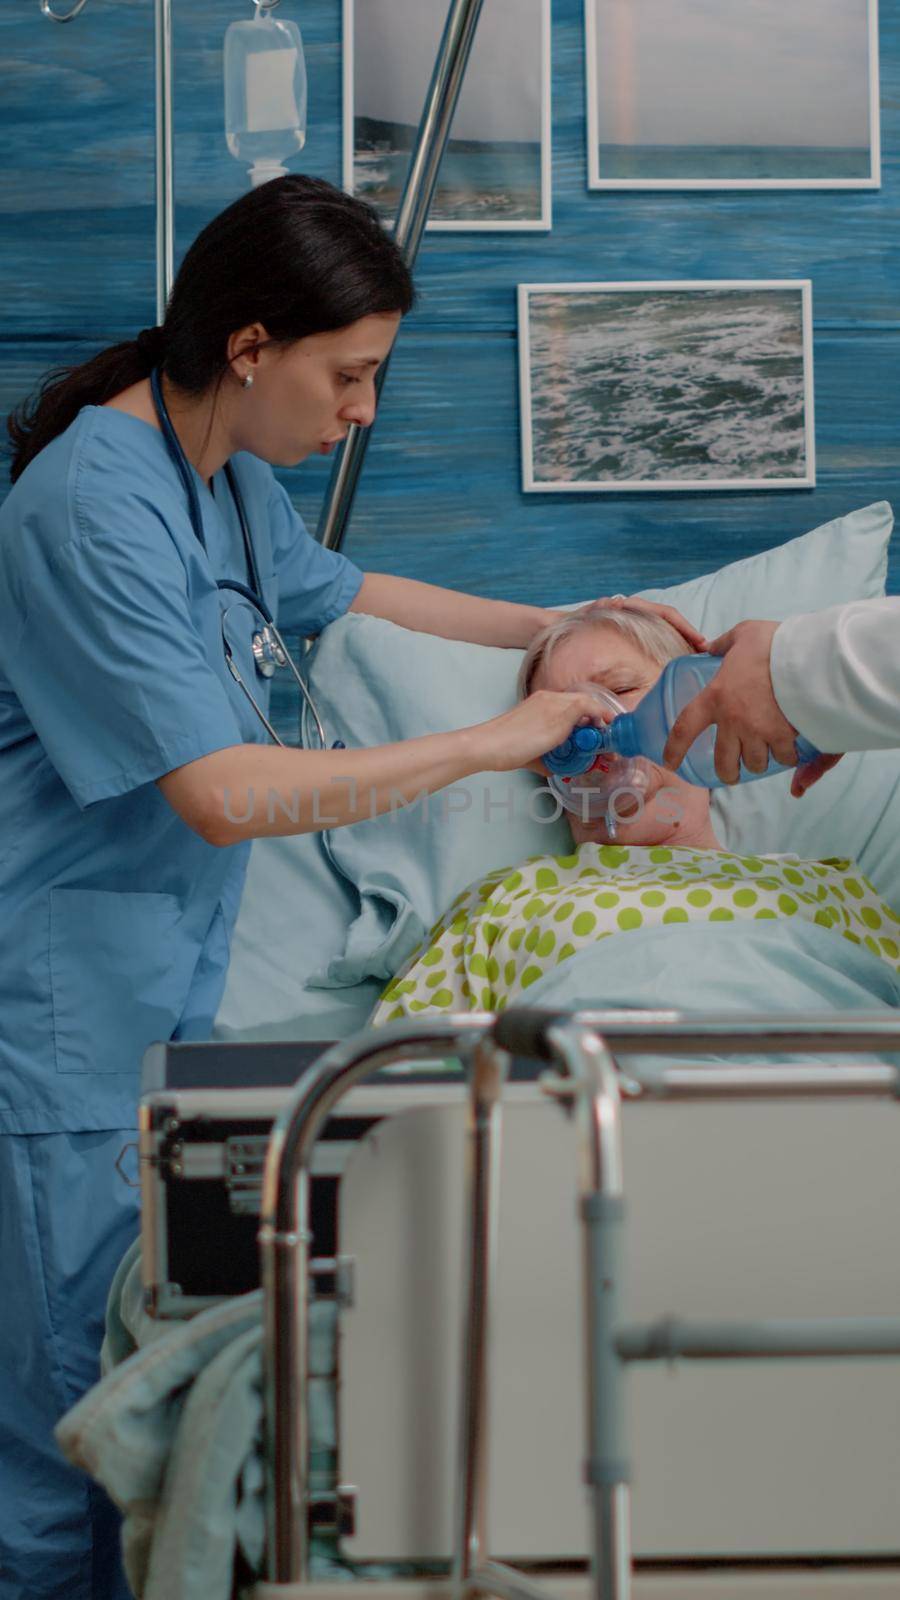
pixel 653 635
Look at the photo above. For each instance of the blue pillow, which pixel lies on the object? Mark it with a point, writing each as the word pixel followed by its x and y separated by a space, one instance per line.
pixel 375 683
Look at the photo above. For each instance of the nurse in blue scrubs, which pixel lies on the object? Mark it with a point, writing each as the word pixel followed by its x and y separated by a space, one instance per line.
pixel 143 483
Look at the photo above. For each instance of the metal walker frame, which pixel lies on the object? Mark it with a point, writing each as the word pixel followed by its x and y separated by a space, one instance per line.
pixel 583 1048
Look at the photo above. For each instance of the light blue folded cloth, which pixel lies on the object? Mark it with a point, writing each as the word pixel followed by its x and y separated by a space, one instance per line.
pixel 173 1431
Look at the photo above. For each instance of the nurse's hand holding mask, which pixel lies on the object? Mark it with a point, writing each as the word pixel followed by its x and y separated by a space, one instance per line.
pixel 541 722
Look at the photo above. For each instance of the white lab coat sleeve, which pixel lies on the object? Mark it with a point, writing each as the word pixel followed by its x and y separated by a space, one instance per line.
pixel 836 675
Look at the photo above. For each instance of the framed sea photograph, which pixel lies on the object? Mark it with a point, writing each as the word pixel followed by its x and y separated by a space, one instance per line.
pixel 666 386
pixel 495 173
pixel 732 94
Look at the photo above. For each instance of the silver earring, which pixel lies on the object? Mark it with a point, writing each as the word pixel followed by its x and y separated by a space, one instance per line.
pixel 248 381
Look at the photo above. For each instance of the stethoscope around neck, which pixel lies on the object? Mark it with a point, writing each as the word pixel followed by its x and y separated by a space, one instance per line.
pixel 269 649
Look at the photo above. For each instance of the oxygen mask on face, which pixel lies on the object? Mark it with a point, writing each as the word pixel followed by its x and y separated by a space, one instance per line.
pixel 594 784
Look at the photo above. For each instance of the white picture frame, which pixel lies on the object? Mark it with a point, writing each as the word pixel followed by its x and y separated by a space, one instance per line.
pixel 402 37
pixel 667 349
pixel 803 71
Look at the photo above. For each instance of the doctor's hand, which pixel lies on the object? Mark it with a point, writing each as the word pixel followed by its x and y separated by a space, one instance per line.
pixel 519 738
pixel 741 702
pixel 805 776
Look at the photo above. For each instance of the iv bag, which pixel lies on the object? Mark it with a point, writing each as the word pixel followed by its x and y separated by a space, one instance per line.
pixel 265 94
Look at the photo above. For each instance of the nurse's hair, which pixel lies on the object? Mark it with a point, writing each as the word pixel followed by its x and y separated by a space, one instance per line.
pixel 295 254
pixel 653 635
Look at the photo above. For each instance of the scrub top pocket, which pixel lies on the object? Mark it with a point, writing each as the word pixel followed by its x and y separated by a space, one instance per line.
pixel 119 976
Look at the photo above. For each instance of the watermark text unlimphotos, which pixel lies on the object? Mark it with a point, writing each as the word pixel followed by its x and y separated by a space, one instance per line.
pixel 498 803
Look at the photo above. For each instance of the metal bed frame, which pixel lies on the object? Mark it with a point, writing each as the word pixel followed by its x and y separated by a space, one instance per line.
pixel 582 1051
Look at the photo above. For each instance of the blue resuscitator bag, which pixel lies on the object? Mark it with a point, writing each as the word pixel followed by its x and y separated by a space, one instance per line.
pixel 642 733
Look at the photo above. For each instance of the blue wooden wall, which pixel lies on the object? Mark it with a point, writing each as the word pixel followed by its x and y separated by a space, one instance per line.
pixel 440 498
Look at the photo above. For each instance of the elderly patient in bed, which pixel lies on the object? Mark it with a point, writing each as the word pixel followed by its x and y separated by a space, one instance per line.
pixel 664 866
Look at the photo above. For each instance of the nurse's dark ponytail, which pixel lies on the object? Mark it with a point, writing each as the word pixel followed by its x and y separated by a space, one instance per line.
pixel 295 254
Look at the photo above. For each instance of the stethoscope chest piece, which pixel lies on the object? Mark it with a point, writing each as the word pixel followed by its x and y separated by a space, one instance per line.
pixel 267 652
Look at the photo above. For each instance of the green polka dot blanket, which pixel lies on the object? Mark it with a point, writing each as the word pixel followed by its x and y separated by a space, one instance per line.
pixel 502 934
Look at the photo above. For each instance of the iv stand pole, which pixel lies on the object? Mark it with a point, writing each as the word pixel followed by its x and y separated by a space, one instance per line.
pixel 162 81
pixel 412 214
pixel 165 211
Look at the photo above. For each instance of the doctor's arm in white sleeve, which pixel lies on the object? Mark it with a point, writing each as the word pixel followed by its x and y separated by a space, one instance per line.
pixel 832 676
pixel 836 675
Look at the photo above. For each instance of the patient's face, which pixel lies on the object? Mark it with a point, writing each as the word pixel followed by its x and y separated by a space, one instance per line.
pixel 600 655
pixel 674 811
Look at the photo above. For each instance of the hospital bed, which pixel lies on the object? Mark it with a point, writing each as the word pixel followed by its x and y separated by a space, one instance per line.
pixel 807 1502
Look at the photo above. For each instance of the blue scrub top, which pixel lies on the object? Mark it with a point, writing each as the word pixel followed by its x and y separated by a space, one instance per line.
pixel 115 917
